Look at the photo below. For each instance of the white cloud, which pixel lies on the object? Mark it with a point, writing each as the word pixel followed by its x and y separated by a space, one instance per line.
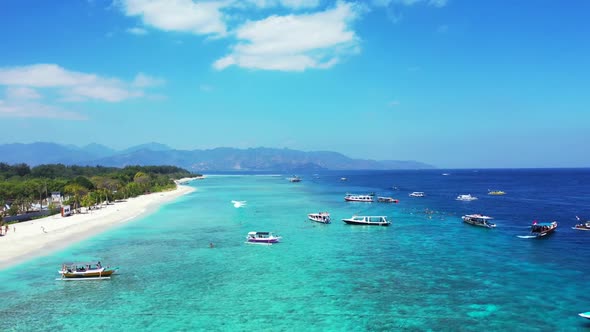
pixel 203 18
pixel 137 31
pixel 73 86
pixel 295 42
pixel 143 81
pixel 13 109
pixel 386 3
pixel 393 103
pixel 294 4
pixel 21 93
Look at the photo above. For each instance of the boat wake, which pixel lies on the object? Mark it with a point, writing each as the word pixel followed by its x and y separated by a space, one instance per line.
pixel 239 204
pixel 527 236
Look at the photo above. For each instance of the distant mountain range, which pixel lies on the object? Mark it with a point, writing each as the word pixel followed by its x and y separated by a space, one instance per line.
pixel 218 159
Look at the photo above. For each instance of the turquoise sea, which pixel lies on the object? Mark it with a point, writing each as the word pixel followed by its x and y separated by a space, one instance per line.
pixel 428 271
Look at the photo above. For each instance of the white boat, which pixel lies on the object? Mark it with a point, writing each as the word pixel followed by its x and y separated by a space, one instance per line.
pixel 321 217
pixel 295 179
pixel 382 199
pixel 343 179
pixel 85 271
pixel 478 220
pixel 417 194
pixel 262 238
pixel 466 198
pixel 358 198
pixel 582 226
pixel 585 314
pixel 367 220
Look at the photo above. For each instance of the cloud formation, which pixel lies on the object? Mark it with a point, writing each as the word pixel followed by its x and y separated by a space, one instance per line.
pixel 26 109
pixel 202 18
pixel 295 42
pixel 72 85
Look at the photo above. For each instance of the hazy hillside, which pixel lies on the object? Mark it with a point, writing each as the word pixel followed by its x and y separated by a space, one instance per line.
pixel 219 159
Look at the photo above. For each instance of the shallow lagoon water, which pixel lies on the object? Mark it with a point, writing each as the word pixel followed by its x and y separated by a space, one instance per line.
pixel 428 271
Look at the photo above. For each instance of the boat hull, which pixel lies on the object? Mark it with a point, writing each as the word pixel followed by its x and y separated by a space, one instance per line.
pixel 364 223
pixel 474 223
pixel 90 274
pixel 263 240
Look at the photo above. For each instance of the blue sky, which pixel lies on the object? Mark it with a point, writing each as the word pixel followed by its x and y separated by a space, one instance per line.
pixel 447 82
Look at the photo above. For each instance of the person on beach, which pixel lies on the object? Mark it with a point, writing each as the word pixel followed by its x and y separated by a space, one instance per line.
pixel 5 229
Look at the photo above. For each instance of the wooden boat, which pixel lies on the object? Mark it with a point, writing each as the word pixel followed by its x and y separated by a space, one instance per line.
pixel 321 217
pixel 358 198
pixel 387 200
pixel 368 220
pixel 262 238
pixel 85 271
pixel 478 220
pixel 543 229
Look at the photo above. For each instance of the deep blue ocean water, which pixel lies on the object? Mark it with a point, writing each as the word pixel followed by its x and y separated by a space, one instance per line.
pixel 428 271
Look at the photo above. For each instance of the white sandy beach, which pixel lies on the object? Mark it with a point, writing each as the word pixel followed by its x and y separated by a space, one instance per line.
pixel 38 237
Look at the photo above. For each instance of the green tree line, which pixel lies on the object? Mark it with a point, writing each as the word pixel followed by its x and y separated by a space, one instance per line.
pixel 21 185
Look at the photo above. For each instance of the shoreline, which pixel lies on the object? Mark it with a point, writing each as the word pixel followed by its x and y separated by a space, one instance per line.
pixel 39 237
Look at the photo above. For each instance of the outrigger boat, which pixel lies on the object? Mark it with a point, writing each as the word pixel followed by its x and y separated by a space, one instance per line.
pixel 478 220
pixel 266 238
pixel 368 220
pixel 321 217
pixel 585 226
pixel 85 271
pixel 387 200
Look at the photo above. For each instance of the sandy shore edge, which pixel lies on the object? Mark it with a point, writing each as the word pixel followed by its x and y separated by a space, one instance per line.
pixel 35 238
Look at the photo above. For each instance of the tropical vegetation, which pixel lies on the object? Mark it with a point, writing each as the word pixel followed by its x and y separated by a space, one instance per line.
pixel 22 187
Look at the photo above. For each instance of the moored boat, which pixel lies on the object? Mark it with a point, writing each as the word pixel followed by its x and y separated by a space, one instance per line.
pixel 358 198
pixel 85 271
pixel 417 194
pixel 466 198
pixel 294 178
pixel 321 217
pixel 543 228
pixel 478 220
pixel 262 237
pixel 368 220
pixel 387 200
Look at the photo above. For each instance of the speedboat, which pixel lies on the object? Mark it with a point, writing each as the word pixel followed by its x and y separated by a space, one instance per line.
pixel 585 226
pixel 585 314
pixel 262 238
pixel 466 198
pixel 321 217
pixel 294 179
pixel 343 179
pixel 496 192
pixel 387 200
pixel 417 194
pixel 85 271
pixel 368 220
pixel 358 198
pixel 543 229
pixel 478 220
